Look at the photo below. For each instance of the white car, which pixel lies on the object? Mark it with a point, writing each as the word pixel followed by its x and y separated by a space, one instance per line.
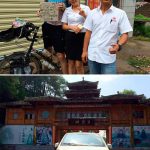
pixel 82 141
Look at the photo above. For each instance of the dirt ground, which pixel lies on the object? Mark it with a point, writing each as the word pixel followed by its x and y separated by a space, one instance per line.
pixel 132 48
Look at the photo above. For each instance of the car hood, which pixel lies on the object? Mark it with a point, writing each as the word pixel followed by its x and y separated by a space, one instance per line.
pixel 82 148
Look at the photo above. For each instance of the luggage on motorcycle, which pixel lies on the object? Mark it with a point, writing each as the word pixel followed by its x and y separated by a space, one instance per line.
pixel 7 35
pixel 19 29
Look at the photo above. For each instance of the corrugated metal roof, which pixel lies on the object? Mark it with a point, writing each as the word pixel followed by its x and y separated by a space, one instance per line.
pixel 11 9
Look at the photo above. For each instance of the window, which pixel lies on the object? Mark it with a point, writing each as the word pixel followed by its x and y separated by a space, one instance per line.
pixel 45 115
pixel 63 115
pixel 68 115
pixel 81 115
pixel 29 116
pixel 15 115
pixel 94 115
pixel 77 114
pixel 138 114
pixel 88 115
pixel 73 115
pixel 104 114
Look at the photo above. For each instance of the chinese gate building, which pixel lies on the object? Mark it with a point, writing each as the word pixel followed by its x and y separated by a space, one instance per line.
pixel 124 119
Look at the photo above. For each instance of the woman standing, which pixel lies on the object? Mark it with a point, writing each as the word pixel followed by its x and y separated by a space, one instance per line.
pixel 73 19
pixel 53 36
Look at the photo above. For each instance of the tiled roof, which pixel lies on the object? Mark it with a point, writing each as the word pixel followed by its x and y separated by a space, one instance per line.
pixel 122 98
pixel 111 99
pixel 15 103
pixel 43 98
pixel 82 82
pixel 82 100
pixel 84 91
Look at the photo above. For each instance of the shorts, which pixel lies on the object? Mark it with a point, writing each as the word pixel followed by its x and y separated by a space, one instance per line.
pixel 53 36
pixel 74 45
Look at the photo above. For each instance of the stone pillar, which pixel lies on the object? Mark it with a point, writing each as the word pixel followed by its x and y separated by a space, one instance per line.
pixel 129 7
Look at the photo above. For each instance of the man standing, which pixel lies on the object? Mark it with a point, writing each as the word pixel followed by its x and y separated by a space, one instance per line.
pixel 102 42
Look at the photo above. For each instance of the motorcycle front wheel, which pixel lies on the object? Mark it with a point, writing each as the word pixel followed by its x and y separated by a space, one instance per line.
pixel 6 66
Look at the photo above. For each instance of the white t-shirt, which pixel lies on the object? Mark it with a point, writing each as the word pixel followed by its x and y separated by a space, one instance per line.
pixel 73 18
pixel 105 32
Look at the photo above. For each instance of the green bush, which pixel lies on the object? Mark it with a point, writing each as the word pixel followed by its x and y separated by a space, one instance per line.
pixel 147 31
pixel 139 26
pixel 140 17
pixel 141 29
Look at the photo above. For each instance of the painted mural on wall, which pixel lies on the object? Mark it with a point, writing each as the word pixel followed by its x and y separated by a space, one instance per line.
pixel 43 135
pixel 142 136
pixel 121 137
pixel 16 134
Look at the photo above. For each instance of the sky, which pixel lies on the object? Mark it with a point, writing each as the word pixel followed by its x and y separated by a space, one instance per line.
pixel 110 84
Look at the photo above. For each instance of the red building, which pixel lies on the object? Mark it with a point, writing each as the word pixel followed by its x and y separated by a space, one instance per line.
pixel 84 109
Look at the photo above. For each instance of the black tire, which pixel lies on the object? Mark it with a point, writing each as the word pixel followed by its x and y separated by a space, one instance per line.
pixel 34 63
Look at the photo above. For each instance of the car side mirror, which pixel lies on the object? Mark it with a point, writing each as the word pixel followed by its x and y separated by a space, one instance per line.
pixel 56 145
pixel 109 146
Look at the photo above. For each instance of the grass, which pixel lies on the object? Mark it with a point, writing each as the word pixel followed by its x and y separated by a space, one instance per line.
pixel 139 61
pixel 141 38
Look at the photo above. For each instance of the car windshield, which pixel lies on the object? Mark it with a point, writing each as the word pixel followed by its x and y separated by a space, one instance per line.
pixel 81 139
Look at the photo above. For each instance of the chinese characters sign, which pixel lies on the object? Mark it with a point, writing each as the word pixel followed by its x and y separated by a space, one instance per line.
pixel 81 122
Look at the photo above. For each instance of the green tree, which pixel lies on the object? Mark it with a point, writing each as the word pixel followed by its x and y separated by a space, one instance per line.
pixel 16 88
pixel 128 92
pixel 9 88
pixel 131 92
pixel 56 86
pixel 35 86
